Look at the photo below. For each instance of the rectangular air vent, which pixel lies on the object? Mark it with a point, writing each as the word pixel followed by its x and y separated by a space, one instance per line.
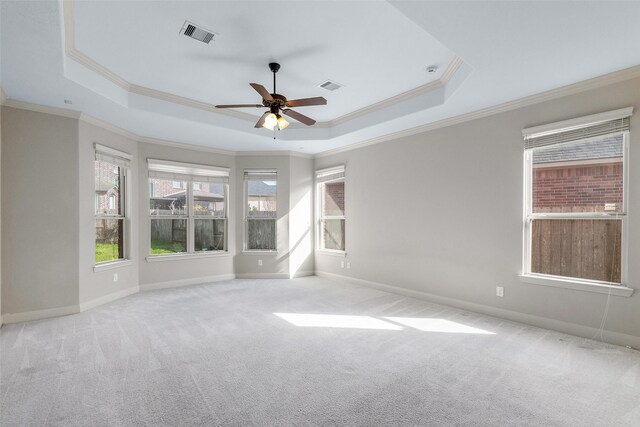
pixel 197 32
pixel 330 85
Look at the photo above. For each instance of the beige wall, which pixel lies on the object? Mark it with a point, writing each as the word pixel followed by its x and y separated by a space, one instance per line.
pixel 451 221
pixel 180 271
pixel 1 216
pixel 450 225
pixel 273 264
pixel 39 212
pixel 100 284
pixel 301 231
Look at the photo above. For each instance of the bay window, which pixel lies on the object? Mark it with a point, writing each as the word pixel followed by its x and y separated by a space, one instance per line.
pixel 187 208
pixel 331 220
pixel 110 173
pixel 260 213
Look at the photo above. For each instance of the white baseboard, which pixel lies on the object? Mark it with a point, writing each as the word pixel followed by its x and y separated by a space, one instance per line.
pixel 542 322
pixel 108 298
pixel 26 316
pixel 262 276
pixel 301 274
pixel 186 282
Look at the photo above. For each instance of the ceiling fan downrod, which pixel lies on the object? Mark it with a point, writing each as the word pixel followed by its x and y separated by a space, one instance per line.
pixel 274 67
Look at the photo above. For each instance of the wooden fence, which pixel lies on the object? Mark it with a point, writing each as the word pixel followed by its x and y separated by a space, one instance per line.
pixel 582 248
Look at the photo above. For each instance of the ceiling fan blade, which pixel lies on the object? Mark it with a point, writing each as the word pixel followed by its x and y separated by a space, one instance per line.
pixel 299 117
pixel 239 105
pixel 264 93
pixel 261 121
pixel 306 101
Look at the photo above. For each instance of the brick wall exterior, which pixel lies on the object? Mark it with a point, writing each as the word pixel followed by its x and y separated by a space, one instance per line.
pixel 334 198
pixel 580 188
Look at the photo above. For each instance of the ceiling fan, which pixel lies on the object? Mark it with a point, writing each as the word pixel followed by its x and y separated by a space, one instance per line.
pixel 276 104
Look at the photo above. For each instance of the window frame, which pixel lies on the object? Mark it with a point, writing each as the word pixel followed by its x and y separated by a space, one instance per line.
pixel 340 173
pixel 598 286
pixel 245 218
pixel 122 161
pixel 188 174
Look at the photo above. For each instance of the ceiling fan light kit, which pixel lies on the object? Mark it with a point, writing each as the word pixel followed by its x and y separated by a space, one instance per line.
pixel 276 104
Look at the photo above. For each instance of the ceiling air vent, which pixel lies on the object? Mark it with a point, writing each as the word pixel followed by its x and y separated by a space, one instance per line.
pixel 196 32
pixel 330 85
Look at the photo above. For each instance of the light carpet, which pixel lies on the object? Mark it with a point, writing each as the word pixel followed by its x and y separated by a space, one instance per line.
pixel 306 352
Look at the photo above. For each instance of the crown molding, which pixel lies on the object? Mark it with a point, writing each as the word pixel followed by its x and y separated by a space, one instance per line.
pixel 56 111
pixel 274 153
pixel 572 89
pixel 594 83
pixel 90 63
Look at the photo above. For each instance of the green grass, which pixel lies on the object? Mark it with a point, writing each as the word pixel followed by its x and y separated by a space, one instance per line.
pixel 106 252
pixel 159 247
pixel 109 251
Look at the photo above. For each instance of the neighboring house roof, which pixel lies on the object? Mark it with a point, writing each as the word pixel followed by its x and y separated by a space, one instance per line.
pixel 202 195
pixel 259 188
pixel 610 147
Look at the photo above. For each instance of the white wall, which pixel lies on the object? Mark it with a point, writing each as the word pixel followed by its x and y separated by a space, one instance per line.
pixel 39 212
pixel 441 213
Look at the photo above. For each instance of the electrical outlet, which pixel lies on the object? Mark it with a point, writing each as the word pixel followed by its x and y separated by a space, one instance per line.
pixel 348 264
pixel 259 263
pixel 115 277
pixel 341 264
pixel 499 291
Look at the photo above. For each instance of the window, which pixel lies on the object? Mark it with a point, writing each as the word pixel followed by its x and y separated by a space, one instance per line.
pixel 187 207
pixel 260 210
pixel 575 198
pixel 110 172
pixel 331 219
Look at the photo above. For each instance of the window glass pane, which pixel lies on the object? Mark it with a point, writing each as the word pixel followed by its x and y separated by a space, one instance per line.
pixel 209 234
pixel 333 234
pixel 164 199
pixel 208 199
pixel 261 199
pixel 107 189
pixel 261 234
pixel 580 248
pixel 583 176
pixel 168 236
pixel 333 199
pixel 109 242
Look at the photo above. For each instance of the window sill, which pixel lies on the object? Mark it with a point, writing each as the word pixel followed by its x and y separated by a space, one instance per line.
pixel 258 252
pixel 111 265
pixel 178 257
pixel 341 254
pixel 577 285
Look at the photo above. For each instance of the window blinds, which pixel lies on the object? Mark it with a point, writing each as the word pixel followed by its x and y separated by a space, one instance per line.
pixel 577 129
pixel 110 155
pixel 330 174
pixel 260 175
pixel 178 171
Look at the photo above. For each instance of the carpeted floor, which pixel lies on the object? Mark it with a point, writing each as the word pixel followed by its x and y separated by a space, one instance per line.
pixel 334 354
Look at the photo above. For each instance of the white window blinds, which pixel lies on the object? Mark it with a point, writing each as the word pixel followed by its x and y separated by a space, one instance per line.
pixel 178 171
pixel 260 175
pixel 602 124
pixel 330 174
pixel 110 155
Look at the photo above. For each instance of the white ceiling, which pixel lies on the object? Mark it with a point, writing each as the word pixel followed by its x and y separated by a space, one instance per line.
pixel 127 64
